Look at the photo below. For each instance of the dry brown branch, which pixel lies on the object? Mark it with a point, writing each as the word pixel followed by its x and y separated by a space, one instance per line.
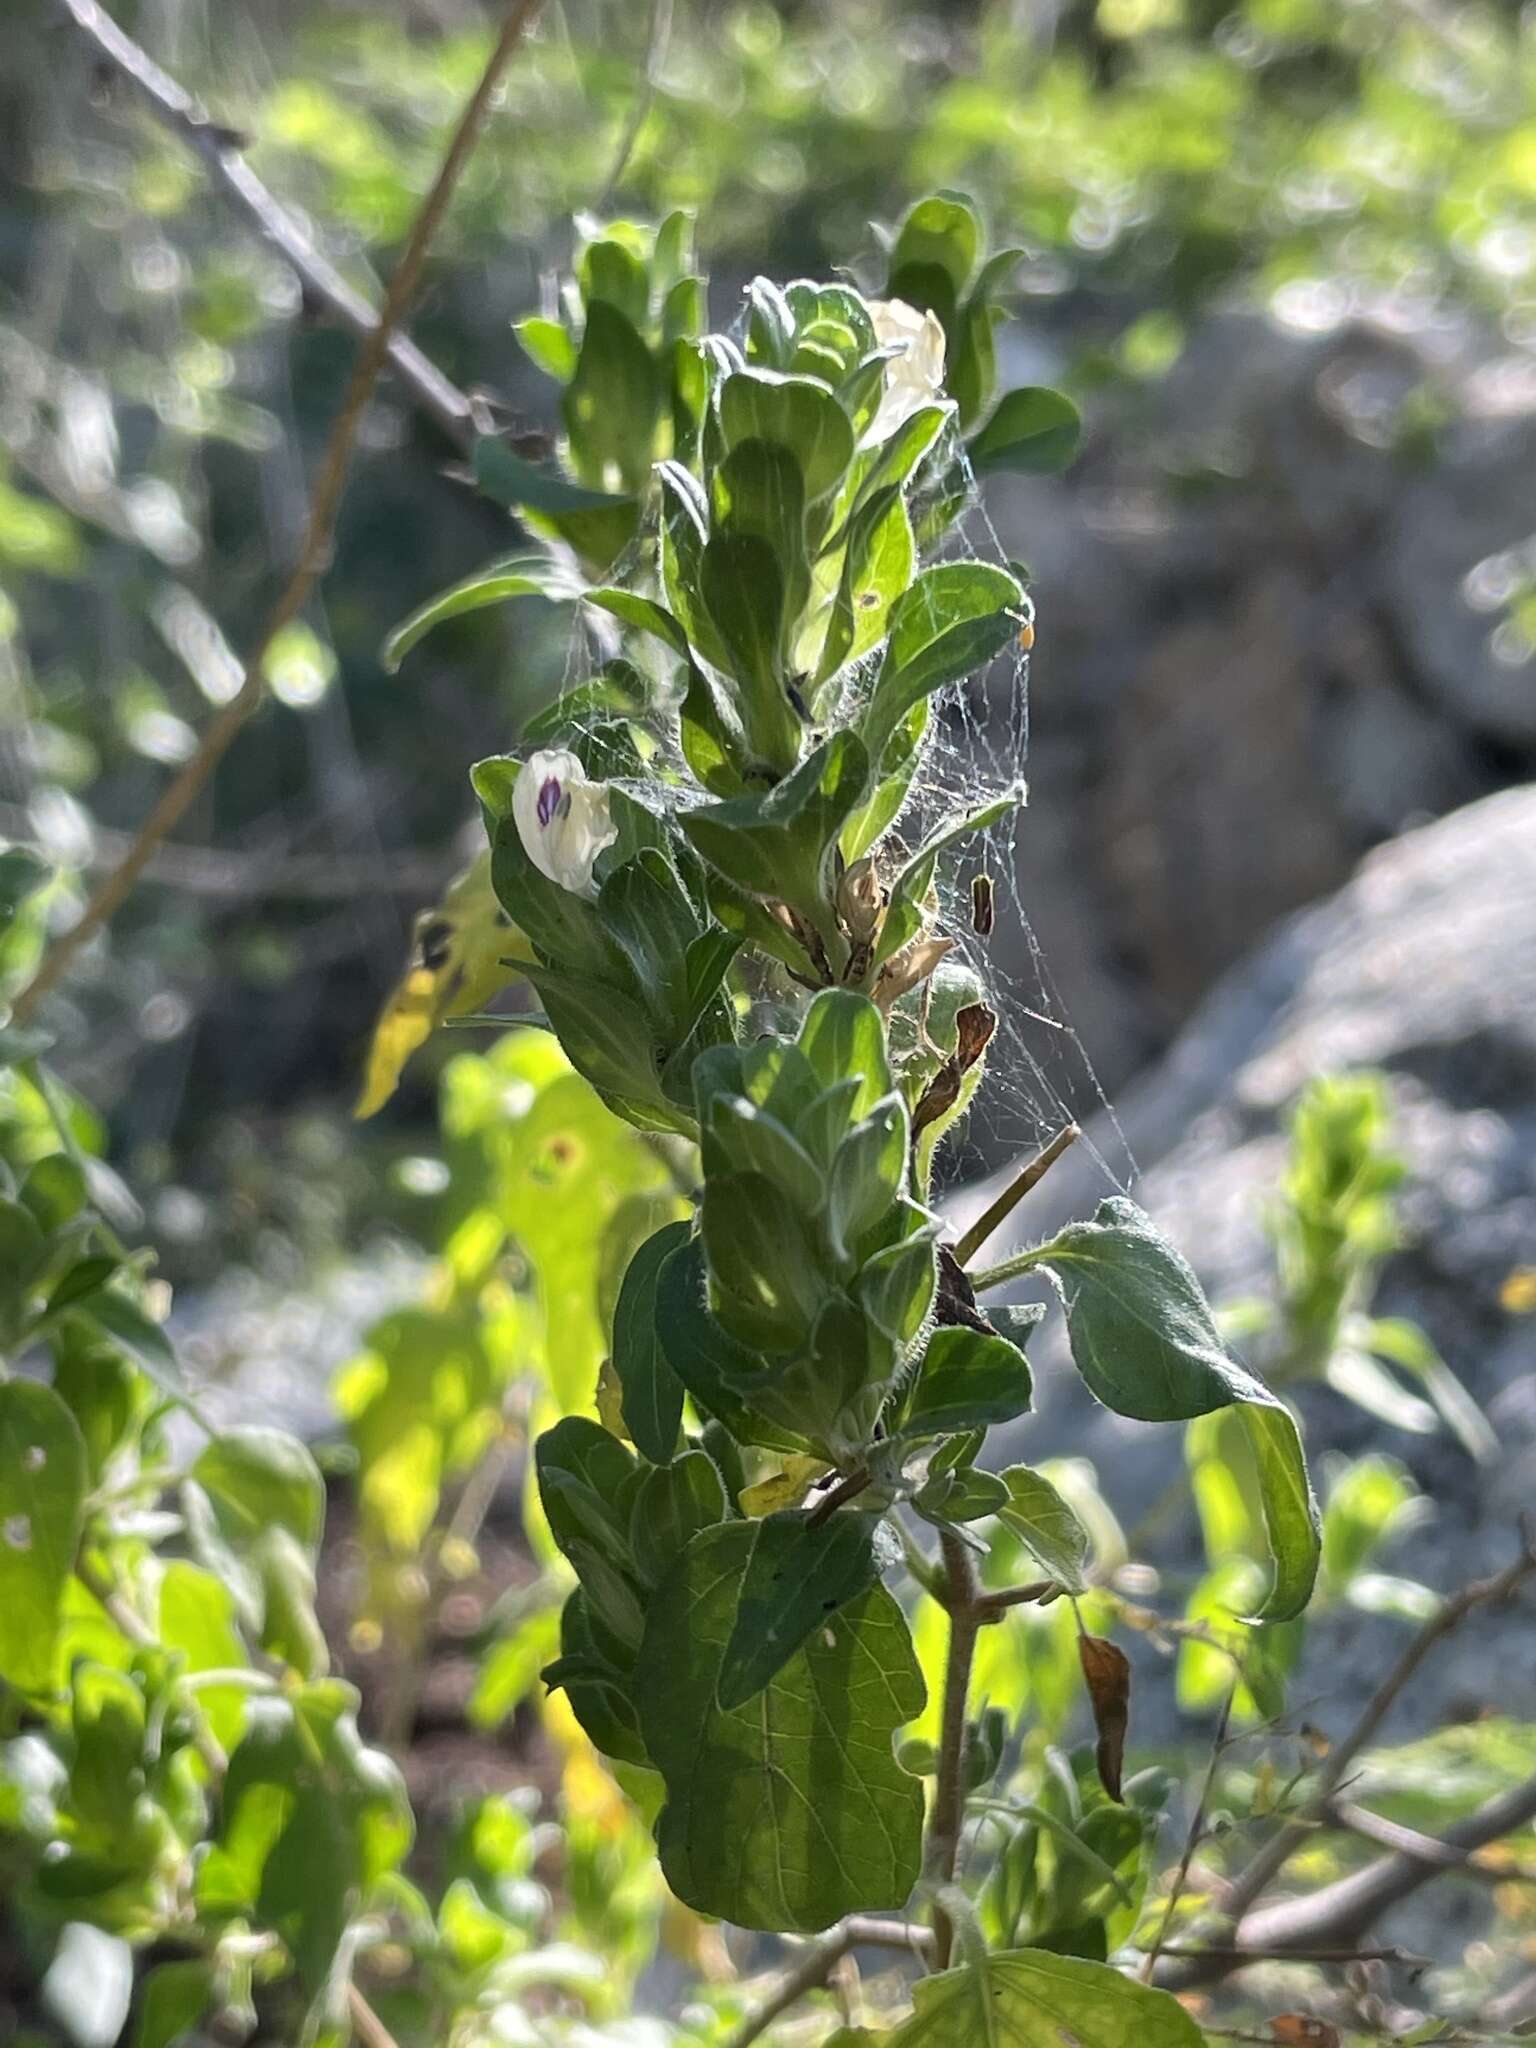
pixel 1192 1839
pixel 320 528
pixel 1342 1911
pixel 822 1957
pixel 219 150
pixel 1251 1883
pixel 1000 1210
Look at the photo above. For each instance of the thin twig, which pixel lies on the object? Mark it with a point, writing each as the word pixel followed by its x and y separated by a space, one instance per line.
pixel 1247 1887
pixel 219 149
pixel 1347 1954
pixel 239 877
pixel 1345 1909
pixel 847 1489
pixel 320 531
pixel 821 1958
pixel 946 1820
pixel 1039 1592
pixel 366 2024
pixel 640 106
pixel 999 1211
pixel 1192 1840
pixel 1391 1834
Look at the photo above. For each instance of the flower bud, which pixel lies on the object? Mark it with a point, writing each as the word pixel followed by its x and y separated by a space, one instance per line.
pixel 860 900
pixel 562 819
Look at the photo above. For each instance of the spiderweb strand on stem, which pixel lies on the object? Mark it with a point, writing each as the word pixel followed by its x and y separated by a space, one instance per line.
pixel 319 534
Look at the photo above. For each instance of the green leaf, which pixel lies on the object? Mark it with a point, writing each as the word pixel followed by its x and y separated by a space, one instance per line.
pixel 780 846
pixel 513 576
pixel 672 1505
pixel 842 1036
pixel 609 1041
pixel 175 1998
pixel 790 1810
pixel 947 625
pixel 515 483
pixel 259 1479
pixel 742 587
pixel 310 1820
pixel 613 400
pixel 768 1289
pixel 141 1337
pixel 877 567
pixel 1046 1526
pixel 1034 432
pixel 1144 1340
pixel 942 230
pixel 1029 1998
pixel 745 1138
pixel 651 1392
pixel 869 1170
pixel 795 1577
pixel 644 613
pixel 799 414
pixel 547 345
pixel 43 1478
pixel 895 1286
pixel 967 1380
pixel 23 871
pixel 904 914
pixel 721 1375
pixel 584 1474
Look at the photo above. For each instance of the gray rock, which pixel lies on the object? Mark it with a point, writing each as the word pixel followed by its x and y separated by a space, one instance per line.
pixel 1272 633
pixel 1424 967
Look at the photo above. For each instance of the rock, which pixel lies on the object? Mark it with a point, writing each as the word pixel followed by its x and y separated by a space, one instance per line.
pixel 1423 967
pixel 1271 633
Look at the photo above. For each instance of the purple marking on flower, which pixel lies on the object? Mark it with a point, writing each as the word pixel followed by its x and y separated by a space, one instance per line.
pixel 549 800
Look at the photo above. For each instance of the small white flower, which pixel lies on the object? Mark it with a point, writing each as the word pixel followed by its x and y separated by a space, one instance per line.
pixel 562 819
pixel 915 377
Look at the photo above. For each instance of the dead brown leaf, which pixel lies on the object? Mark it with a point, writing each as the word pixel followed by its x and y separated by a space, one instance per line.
pixel 1108 1672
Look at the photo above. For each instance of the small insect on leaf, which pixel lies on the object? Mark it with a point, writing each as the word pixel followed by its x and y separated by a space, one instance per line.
pixel 983 907
pixel 1108 1672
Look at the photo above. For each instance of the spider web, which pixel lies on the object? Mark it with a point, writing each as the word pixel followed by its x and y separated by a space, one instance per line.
pixel 1039 1074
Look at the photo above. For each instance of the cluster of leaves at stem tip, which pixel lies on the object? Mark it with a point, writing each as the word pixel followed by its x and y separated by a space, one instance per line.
pixel 700 862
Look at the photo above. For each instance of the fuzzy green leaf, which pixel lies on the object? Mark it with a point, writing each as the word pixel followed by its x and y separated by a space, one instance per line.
pixel 1034 432
pixel 967 1380
pixel 43 1478
pixel 651 1392
pixel 1030 1998
pixel 790 1810
pixel 1144 1339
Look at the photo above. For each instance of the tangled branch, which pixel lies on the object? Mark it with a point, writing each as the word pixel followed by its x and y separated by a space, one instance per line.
pixel 219 149
pixel 320 526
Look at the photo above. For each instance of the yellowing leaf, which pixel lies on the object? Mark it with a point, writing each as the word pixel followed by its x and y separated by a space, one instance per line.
pixel 785 1488
pixel 459 955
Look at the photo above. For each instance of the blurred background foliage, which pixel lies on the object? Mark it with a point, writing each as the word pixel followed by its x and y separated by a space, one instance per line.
pixel 1165 163
pixel 1282 252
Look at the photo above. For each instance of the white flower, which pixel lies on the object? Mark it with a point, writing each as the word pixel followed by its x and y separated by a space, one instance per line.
pixel 916 376
pixel 562 819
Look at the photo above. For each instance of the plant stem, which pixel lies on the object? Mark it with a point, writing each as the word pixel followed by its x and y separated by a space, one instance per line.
pixel 1010 1269
pixel 820 1958
pixel 946 1821
pixel 1000 1210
